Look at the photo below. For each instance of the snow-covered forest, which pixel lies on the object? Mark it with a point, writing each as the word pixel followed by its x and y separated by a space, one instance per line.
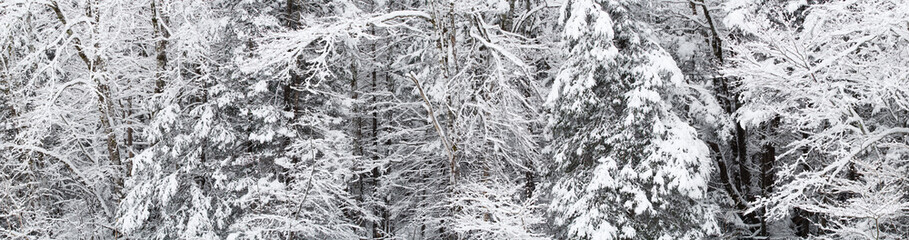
pixel 454 119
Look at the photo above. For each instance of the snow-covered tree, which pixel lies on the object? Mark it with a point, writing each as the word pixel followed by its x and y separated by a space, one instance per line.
pixel 74 71
pixel 247 144
pixel 627 165
pixel 828 72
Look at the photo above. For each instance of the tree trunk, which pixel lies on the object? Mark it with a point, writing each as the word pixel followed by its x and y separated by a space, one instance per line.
pixel 768 158
pixel 161 34
pixel 738 143
pixel 376 171
pixel 105 109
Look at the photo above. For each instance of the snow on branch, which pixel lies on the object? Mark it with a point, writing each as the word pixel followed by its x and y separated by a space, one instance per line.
pixel 379 20
pixel 510 56
pixel 283 49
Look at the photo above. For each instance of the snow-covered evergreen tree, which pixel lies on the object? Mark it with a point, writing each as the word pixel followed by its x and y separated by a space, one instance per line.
pixel 247 144
pixel 628 166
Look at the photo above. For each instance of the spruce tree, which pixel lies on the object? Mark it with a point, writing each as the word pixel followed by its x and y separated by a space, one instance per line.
pixel 628 167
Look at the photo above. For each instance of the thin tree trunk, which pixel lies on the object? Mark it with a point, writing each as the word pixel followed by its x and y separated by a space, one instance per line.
pixel 453 170
pixel 161 34
pixel 358 135
pixel 129 139
pixel 376 171
pixel 105 107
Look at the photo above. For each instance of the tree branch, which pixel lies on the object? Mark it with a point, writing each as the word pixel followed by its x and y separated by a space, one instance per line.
pixel 442 135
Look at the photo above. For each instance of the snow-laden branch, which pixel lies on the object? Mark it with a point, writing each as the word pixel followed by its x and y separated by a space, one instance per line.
pixel 510 56
pixel 68 85
pixel 836 167
pixel 827 62
pixel 379 20
pixel 878 136
pixel 285 48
